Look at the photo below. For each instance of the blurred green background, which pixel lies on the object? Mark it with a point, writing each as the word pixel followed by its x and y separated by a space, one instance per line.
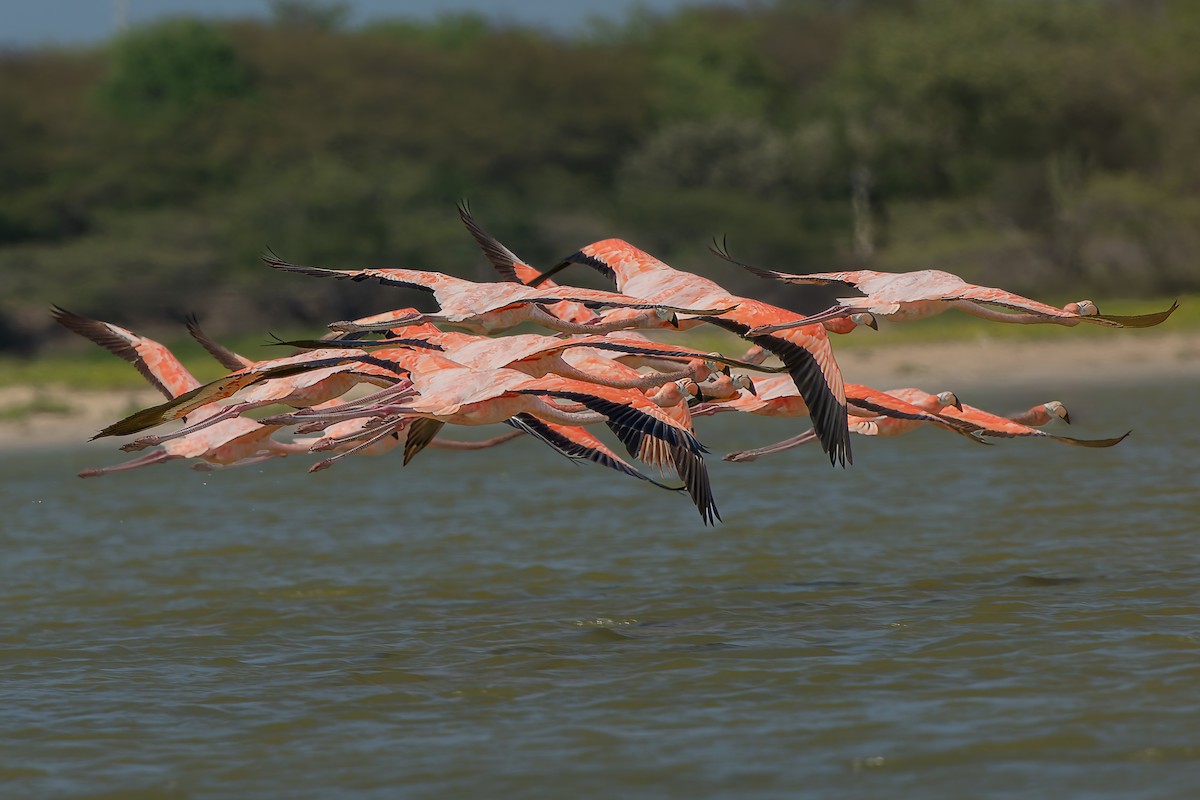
pixel 1052 148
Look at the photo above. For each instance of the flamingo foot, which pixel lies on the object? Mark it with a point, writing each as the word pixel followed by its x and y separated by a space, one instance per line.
pixel 141 444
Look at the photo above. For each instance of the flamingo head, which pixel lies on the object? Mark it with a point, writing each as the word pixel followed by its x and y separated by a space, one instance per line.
pixel 865 318
pixel 1056 409
pixel 691 391
pixel 711 367
pixel 1084 308
pixel 668 316
pixel 670 394
pixel 949 399
pixel 743 381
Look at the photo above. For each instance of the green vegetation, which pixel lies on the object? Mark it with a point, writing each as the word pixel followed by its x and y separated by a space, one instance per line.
pixel 1052 148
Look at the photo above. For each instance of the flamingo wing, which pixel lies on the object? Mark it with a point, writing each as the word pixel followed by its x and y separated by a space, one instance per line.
pixel 576 443
pixel 886 405
pixel 421 432
pixel 578 257
pixel 228 386
pixel 407 278
pixel 809 360
pixel 154 361
pixel 668 351
pixel 224 356
pixel 632 426
pixel 504 261
pixel 511 268
pixel 812 278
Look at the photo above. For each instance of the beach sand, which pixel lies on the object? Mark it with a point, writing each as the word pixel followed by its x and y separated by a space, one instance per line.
pixel 1042 365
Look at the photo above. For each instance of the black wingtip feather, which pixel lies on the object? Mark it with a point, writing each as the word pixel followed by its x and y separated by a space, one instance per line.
pixel 500 257
pixel 827 412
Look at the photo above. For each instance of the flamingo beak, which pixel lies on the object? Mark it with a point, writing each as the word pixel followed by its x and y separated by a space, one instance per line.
pixel 750 388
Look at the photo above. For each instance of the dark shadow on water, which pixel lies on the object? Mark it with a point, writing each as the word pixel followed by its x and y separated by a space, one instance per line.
pixel 1045 580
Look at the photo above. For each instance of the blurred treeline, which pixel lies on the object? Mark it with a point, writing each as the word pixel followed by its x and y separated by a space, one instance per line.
pixel 1051 147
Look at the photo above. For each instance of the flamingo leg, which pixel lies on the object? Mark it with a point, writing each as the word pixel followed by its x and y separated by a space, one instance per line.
pixel 351 412
pixel 145 460
pixel 350 326
pixel 994 315
pixel 228 412
pixel 787 444
pixel 456 444
pixel 208 466
pixel 548 320
pixel 834 312
pixel 370 429
pixel 383 434
pixel 643 382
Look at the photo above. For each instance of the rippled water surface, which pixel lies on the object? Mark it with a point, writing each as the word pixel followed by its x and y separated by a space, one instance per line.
pixel 939 621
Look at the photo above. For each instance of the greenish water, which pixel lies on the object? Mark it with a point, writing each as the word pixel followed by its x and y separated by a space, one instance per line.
pixel 939 621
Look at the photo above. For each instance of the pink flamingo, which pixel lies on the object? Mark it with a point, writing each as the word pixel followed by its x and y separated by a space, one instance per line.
pixel 905 296
pixel 778 398
pixel 994 425
pixel 948 410
pixel 491 307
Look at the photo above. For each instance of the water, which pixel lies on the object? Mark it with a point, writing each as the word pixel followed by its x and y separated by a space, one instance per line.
pixel 939 621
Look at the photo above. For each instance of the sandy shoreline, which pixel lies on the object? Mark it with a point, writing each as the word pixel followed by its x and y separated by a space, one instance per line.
pixel 73 417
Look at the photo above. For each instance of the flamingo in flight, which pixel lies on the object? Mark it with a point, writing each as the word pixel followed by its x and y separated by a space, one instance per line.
pixel 906 296
pixel 995 425
pixel 777 398
pixel 491 307
pixel 984 424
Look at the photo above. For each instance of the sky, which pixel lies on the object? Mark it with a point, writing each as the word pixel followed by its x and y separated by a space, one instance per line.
pixel 29 23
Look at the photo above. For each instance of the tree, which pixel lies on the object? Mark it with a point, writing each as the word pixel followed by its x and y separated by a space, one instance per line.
pixel 172 69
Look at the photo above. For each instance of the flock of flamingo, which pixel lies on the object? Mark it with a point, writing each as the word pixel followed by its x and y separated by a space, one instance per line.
pixel 595 369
